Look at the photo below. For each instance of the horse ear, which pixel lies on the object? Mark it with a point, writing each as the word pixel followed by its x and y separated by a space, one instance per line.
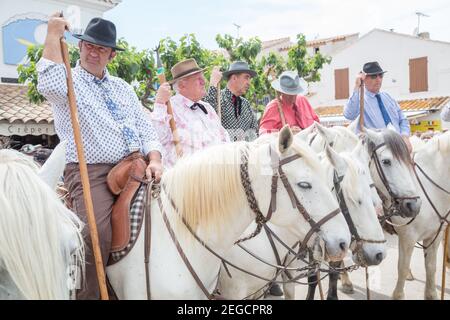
pixel 53 168
pixel 374 137
pixel 326 134
pixel 285 139
pixel 336 160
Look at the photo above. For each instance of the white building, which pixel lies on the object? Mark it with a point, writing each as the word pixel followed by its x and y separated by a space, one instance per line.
pixel 24 23
pixel 418 73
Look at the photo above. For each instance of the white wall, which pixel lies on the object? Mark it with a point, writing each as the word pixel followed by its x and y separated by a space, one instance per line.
pixel 79 13
pixel 393 52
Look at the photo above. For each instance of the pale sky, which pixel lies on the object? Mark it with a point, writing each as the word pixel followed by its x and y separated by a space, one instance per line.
pixel 143 22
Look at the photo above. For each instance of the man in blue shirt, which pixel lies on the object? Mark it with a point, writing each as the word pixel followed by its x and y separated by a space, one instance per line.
pixel 380 109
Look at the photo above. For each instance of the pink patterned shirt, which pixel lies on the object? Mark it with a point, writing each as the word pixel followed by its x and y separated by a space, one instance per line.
pixel 196 129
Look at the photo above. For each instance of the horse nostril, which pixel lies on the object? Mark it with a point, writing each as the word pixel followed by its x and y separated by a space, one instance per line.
pixel 379 257
pixel 343 246
pixel 409 206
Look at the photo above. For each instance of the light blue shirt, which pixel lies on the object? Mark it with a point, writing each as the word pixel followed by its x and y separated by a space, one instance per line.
pixel 373 119
pixel 109 134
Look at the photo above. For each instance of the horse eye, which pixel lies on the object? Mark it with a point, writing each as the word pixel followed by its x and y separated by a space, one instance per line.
pixel 304 185
pixel 386 162
pixel 360 202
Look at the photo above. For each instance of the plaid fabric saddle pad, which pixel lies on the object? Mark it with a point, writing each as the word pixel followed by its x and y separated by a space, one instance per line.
pixel 136 219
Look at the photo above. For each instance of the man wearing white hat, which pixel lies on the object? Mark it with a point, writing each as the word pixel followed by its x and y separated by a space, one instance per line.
pixel 295 109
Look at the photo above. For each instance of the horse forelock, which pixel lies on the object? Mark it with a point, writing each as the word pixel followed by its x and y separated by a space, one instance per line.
pixel 397 146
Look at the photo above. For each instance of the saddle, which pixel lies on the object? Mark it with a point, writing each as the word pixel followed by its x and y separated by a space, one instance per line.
pixel 124 181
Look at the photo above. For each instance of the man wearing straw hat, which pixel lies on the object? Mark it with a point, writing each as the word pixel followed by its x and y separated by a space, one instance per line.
pixel 380 109
pixel 291 108
pixel 112 122
pixel 237 115
pixel 197 123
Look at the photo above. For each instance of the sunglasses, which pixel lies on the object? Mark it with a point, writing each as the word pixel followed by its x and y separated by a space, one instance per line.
pixel 100 49
pixel 374 76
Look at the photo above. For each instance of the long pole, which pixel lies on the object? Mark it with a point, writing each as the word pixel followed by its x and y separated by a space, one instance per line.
pixel 367 284
pixel 84 174
pixel 280 109
pixel 219 106
pixel 444 261
pixel 361 107
pixel 162 79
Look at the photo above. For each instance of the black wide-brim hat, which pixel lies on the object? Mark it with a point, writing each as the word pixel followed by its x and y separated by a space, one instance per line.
pixel 371 68
pixel 100 32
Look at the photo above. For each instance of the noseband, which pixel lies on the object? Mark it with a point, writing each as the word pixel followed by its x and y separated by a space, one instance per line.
pixel 278 173
pixel 357 242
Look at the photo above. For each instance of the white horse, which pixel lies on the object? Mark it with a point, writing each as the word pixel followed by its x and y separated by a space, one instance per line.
pixel 39 236
pixel 355 185
pixel 395 164
pixel 433 158
pixel 207 190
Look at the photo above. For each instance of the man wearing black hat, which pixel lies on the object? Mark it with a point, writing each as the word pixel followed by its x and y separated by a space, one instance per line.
pixel 113 125
pixel 237 115
pixel 380 109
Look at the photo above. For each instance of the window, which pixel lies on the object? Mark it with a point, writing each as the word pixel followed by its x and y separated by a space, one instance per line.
pixel 341 84
pixel 418 74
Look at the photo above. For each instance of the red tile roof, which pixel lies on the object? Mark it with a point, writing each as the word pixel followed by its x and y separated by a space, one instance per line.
pixel 425 104
pixel 15 106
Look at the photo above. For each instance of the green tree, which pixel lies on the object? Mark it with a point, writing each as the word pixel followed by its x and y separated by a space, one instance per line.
pixel 307 66
pixel 188 46
pixel 240 50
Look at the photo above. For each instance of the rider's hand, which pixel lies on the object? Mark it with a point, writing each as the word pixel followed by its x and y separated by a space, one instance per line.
pixel 216 76
pixel 155 168
pixel 57 25
pixel 164 93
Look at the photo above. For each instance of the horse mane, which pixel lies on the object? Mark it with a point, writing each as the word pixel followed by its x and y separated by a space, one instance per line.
pixel 441 142
pixel 343 132
pixel 349 184
pixel 202 184
pixel 33 247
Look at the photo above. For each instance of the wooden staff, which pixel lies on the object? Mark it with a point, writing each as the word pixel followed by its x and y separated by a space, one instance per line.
pixel 84 174
pixel 162 79
pixel 219 106
pixel 361 107
pixel 367 284
pixel 444 261
pixel 280 109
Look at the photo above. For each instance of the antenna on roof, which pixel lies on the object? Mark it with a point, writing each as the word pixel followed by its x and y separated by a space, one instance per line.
pixel 237 27
pixel 419 14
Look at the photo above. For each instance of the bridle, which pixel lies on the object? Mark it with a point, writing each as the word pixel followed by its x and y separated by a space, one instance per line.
pixel 278 173
pixel 357 242
pixel 394 208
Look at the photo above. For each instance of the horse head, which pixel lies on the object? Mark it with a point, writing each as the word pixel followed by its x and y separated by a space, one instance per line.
pixel 350 178
pixel 391 168
pixel 303 195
